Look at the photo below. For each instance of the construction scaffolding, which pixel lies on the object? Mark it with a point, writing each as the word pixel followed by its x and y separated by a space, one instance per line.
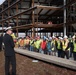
pixel 37 16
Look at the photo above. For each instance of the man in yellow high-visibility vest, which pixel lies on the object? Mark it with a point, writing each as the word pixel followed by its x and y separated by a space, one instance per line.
pixel 66 49
pixel 59 46
pixel 74 49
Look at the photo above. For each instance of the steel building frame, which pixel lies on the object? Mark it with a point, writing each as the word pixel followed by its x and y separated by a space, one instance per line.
pixel 34 24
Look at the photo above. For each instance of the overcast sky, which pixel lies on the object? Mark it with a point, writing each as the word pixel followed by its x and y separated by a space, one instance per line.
pixel 1 1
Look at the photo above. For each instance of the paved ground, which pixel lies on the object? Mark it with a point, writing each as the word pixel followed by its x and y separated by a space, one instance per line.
pixel 25 66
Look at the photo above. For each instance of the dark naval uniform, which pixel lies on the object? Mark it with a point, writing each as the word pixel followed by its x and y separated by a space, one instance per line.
pixel 1 40
pixel 9 54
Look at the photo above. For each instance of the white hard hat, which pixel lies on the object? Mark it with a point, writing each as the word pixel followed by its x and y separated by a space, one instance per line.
pixel 50 38
pixel 47 39
pixel 73 37
pixel 65 36
pixel 61 38
pixel 53 37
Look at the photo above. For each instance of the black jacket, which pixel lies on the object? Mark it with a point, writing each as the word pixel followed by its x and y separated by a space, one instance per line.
pixel 9 45
pixel 1 40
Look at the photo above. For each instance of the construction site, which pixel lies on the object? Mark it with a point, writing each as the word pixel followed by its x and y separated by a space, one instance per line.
pixel 38 18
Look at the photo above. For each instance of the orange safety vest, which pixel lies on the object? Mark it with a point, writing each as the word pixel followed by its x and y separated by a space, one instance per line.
pixel 21 42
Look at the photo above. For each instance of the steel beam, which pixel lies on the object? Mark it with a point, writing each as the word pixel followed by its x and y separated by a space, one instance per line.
pixel 10 6
pixel 18 14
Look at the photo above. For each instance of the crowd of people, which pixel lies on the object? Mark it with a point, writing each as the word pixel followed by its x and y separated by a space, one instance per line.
pixel 62 47
pixel 56 46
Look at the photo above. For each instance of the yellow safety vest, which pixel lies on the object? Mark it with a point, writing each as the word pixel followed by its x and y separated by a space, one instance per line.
pixel 26 41
pixel 74 47
pixel 13 36
pixel 31 41
pixel 65 46
pixel 53 42
pixel 58 47
pixel 37 44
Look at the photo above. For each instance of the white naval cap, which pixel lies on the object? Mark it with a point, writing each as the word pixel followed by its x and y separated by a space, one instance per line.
pixel 8 28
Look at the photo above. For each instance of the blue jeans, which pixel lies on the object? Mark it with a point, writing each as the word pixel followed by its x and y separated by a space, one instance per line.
pixel 41 51
pixel 31 48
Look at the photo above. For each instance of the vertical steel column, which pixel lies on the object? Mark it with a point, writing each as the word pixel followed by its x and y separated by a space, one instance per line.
pixel 31 32
pixel 8 11
pixel 33 20
pixel 17 19
pixel 37 20
pixel 40 32
pixel 64 18
pixel 2 18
